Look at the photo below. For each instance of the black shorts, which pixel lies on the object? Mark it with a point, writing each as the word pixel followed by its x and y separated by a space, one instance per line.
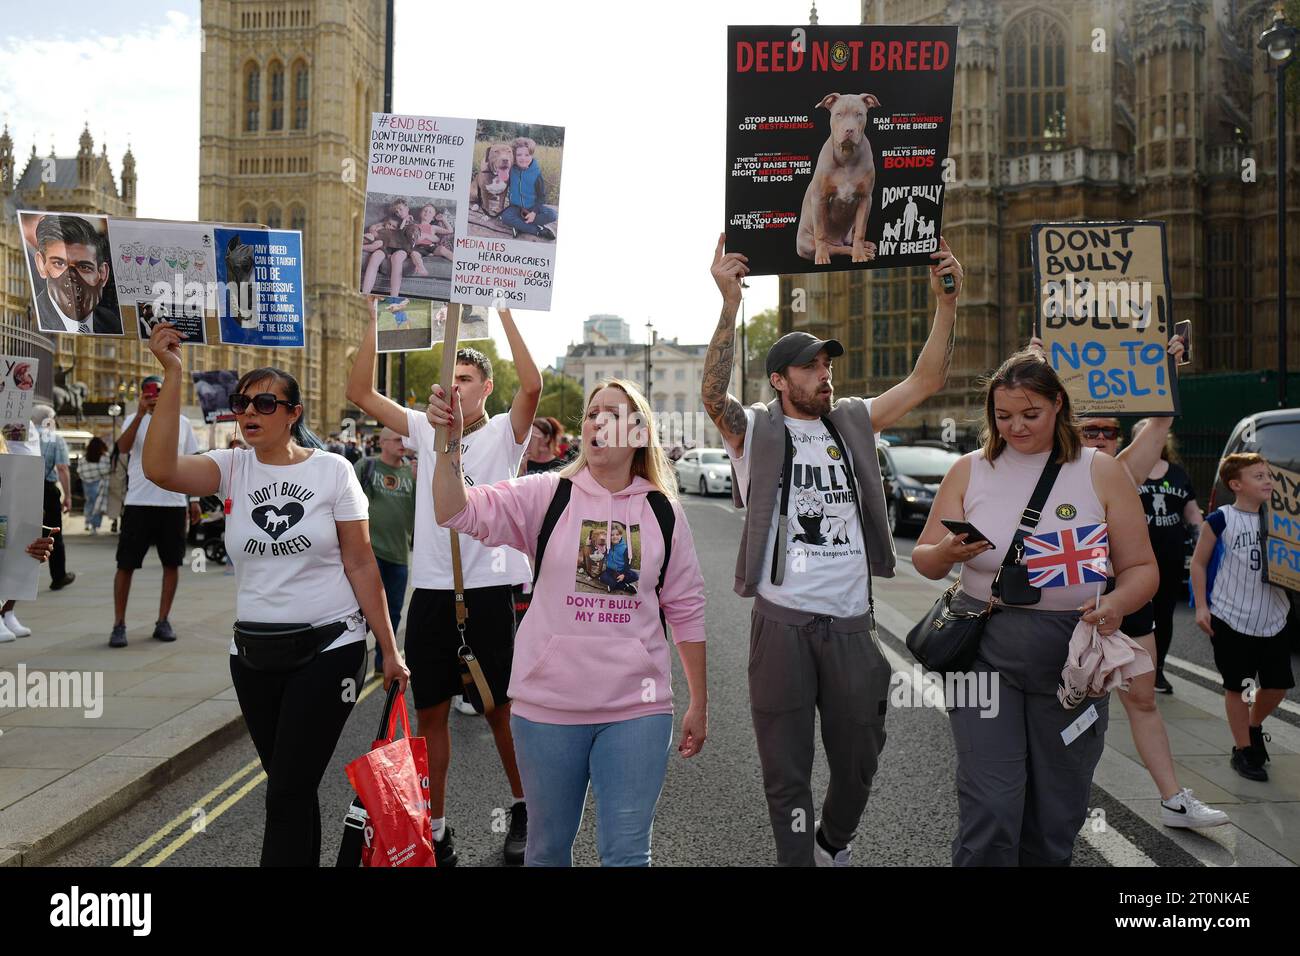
pixel 146 526
pixel 432 641
pixel 1240 656
pixel 1140 623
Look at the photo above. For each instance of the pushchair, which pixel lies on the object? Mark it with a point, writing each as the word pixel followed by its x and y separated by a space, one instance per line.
pixel 209 532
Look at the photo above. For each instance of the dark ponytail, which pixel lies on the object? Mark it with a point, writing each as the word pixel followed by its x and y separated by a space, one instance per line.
pixel 301 434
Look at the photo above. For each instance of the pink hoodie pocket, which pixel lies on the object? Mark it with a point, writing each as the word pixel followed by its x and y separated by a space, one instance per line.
pixel 593 672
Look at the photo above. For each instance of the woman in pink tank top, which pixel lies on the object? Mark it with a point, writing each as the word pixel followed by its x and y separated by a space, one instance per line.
pixel 1022 790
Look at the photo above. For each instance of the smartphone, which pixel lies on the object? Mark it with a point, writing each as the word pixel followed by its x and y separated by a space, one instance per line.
pixel 1183 329
pixel 973 534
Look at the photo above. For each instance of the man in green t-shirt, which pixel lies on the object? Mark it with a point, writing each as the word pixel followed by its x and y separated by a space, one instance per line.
pixel 389 483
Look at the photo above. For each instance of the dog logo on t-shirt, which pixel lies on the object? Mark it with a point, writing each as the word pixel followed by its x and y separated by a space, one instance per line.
pixel 275 521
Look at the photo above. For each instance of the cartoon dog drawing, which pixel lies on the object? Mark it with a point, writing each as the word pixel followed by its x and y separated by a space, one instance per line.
pixel 1158 504
pixel 276 521
pixel 812 525
pixel 924 228
pixel 891 230
pixel 837 204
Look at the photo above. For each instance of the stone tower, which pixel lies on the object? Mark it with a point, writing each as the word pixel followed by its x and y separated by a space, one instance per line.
pixel 287 93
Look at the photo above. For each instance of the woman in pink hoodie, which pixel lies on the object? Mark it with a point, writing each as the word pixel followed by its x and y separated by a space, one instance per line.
pixel 591 693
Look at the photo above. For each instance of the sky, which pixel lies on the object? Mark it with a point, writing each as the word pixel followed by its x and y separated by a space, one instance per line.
pixel 641 92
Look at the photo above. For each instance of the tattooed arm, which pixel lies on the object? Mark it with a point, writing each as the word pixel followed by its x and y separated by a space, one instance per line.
pixel 727 413
pixel 449 498
pixel 935 360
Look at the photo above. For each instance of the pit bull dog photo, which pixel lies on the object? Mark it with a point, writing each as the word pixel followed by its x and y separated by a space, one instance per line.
pixel 239 275
pixel 493 175
pixel 833 221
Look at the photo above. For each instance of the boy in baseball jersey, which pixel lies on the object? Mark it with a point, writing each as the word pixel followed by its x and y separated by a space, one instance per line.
pixel 1244 616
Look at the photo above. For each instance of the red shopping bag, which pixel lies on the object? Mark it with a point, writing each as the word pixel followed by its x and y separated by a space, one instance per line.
pixel 393 784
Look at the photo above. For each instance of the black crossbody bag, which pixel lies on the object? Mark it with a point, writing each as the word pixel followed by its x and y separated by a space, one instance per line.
pixel 946 640
pixel 283 647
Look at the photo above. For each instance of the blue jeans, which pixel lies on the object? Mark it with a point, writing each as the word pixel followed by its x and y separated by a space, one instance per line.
pixel 394 578
pixel 624 762
pixel 610 577
pixel 94 508
pixel 514 216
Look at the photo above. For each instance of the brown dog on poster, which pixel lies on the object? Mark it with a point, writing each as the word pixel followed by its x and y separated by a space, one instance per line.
pixel 833 221
pixel 492 178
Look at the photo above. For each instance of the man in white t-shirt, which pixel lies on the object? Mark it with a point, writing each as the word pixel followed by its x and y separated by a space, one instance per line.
pixel 816 532
pixel 151 518
pixel 491 450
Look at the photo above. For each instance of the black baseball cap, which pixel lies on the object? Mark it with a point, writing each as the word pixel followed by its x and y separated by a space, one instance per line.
pixel 799 348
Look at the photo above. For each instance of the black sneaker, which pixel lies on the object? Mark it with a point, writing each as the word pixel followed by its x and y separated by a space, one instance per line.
pixel 1163 686
pixel 444 850
pixel 118 637
pixel 162 631
pixel 1245 766
pixel 546 232
pixel 63 582
pixel 1257 738
pixel 517 838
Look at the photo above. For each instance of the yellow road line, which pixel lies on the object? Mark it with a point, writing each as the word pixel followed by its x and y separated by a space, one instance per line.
pixel 221 808
pixel 186 815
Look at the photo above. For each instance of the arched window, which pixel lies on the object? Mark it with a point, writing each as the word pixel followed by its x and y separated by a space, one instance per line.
pixel 252 96
pixel 300 95
pixel 273 217
pixel 276 71
pixel 297 218
pixel 1034 85
pixel 248 214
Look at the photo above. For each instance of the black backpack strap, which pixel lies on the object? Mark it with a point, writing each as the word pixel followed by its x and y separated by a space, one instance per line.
pixel 368 477
pixel 1033 512
pixel 559 502
pixel 667 518
pixel 778 545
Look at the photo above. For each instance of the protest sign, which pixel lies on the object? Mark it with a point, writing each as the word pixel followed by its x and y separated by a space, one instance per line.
pixel 165 270
pixel 17 391
pixel 259 274
pixel 1282 530
pixel 405 325
pixel 1105 314
pixel 212 389
pixel 21 490
pixel 837 138
pixel 462 210
pixel 70 268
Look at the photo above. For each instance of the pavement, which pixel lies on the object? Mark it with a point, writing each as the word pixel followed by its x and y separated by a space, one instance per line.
pixel 168 776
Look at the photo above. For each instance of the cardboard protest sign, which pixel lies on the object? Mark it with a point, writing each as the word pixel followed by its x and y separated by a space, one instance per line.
pixel 1105 314
pixel 1282 530
pixel 17 391
pixel 70 268
pixel 165 270
pixel 21 490
pixel 259 275
pixel 837 137
pixel 462 210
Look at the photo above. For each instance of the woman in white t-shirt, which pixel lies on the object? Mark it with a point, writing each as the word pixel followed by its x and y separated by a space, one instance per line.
pixel 307 579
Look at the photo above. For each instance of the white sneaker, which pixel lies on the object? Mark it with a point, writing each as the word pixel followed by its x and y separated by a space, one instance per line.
pixel 16 627
pixel 6 635
pixel 822 858
pixel 1184 810
pixel 460 705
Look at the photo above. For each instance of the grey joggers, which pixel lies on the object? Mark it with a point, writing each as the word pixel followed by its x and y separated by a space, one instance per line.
pixel 801 663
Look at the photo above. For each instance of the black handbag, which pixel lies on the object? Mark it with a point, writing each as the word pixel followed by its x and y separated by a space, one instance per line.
pixel 282 647
pixel 946 640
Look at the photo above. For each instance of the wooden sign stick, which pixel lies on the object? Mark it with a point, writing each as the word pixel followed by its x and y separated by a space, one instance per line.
pixel 448 378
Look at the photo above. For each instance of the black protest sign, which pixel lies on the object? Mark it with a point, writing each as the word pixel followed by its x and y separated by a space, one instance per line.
pixel 1105 314
pixel 837 138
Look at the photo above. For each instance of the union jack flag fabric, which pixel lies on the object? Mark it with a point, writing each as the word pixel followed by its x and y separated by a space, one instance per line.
pixel 1057 559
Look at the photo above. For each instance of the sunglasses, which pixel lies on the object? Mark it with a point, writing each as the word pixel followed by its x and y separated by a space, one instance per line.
pixel 1106 432
pixel 263 403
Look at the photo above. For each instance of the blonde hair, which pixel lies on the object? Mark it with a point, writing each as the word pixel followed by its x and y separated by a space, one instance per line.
pixel 1030 369
pixel 650 461
pixel 526 143
pixel 1170 451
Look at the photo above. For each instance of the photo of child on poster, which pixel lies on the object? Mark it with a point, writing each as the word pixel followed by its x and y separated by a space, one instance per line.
pixel 516 188
pixel 609 557
pixel 406 248
pixel 71 272
pixel 405 325
pixel 837 138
